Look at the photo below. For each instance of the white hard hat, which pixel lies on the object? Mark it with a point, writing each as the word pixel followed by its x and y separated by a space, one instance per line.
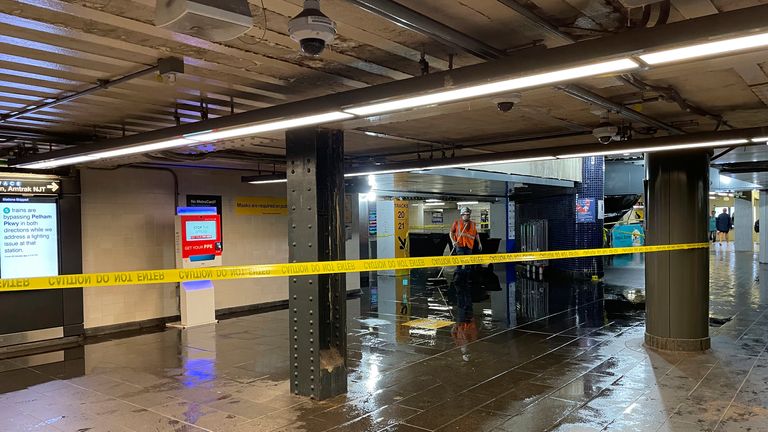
pixel 466 210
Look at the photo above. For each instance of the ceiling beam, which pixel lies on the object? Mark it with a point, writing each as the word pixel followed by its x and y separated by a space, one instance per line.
pixel 539 22
pixel 192 46
pixel 417 22
pixel 426 26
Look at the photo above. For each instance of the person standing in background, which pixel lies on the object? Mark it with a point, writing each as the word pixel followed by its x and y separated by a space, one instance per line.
pixel 465 239
pixel 723 226
pixel 713 227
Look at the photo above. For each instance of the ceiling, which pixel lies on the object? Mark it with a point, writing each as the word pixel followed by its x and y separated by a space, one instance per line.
pixel 411 184
pixel 52 48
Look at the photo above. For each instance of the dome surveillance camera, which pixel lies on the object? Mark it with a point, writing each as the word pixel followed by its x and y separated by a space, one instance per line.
pixel 312 29
pixel 605 133
pixel 506 103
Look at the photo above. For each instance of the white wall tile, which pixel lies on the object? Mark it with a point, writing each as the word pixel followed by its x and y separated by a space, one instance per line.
pixel 128 224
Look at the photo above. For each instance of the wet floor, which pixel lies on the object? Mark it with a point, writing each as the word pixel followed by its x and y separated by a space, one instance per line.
pixel 538 356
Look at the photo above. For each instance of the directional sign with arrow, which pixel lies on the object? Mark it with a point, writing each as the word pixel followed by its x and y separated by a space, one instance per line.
pixel 27 186
pixel 402 243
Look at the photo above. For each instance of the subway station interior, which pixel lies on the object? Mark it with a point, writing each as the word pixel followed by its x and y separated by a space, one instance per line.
pixel 383 215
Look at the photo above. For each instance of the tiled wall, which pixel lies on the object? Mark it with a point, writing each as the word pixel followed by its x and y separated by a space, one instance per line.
pixel 560 213
pixel 128 224
pixel 590 235
pixel 564 232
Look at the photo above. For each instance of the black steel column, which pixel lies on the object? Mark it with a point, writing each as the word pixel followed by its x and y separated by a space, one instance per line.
pixel 677 282
pixel 317 303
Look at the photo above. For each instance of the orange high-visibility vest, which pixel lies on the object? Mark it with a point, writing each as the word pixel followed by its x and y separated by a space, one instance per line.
pixel 464 233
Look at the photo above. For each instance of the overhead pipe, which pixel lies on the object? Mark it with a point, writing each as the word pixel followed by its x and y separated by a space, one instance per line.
pixel 164 65
pixel 634 82
pixel 593 98
pixel 538 21
pixel 415 21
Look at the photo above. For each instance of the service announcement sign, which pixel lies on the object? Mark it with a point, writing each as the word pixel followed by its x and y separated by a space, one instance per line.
pixel 29 237
pixel 261 206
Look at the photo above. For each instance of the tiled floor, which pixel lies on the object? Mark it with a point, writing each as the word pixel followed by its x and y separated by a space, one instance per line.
pixel 541 356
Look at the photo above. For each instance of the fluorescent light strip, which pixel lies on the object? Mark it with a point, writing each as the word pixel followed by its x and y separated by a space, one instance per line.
pixel 656 149
pixel 434 204
pixel 456 165
pixel 268 181
pixel 761 139
pixel 193 139
pixel 706 49
pixel 57 163
pixel 709 144
pixel 477 164
pixel 268 127
pixel 467 203
pixel 496 87
pixel 180 142
pixel 164 145
pixel 392 171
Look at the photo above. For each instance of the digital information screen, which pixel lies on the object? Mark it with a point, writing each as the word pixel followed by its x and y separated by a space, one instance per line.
pixel 29 237
pixel 201 231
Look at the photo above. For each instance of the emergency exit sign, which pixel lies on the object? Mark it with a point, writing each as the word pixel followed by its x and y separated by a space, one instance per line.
pixel 14 186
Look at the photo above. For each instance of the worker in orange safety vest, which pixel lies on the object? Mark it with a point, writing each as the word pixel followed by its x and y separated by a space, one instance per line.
pixel 465 239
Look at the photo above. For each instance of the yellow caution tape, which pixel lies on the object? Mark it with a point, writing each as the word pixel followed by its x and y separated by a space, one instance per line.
pixel 310 268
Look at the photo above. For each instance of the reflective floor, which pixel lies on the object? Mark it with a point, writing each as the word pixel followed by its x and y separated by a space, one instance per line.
pixel 539 356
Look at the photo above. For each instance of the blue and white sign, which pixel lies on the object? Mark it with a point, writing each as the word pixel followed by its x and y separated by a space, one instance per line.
pixel 628 235
pixel 29 238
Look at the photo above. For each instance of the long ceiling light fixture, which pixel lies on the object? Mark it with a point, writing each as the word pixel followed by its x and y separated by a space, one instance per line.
pixel 271 179
pixel 558 153
pixel 209 136
pixel 536 80
pixel 72 160
pixel 707 144
pixel 333 116
pixel 707 49
pixel 190 139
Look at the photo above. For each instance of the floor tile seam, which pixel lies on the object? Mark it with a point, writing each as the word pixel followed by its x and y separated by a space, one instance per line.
pixel 545 395
pixel 560 333
pixel 580 406
pixel 414 426
pixel 371 414
pixel 730 404
pixel 479 408
pixel 497 376
pixel 668 419
pixel 540 356
pixel 584 335
pixel 519 327
pixel 363 397
pixel 698 384
pixel 538 332
pixel 148 409
pixel 752 325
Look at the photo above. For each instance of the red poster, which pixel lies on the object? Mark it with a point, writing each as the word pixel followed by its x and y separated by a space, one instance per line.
pixel 200 235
